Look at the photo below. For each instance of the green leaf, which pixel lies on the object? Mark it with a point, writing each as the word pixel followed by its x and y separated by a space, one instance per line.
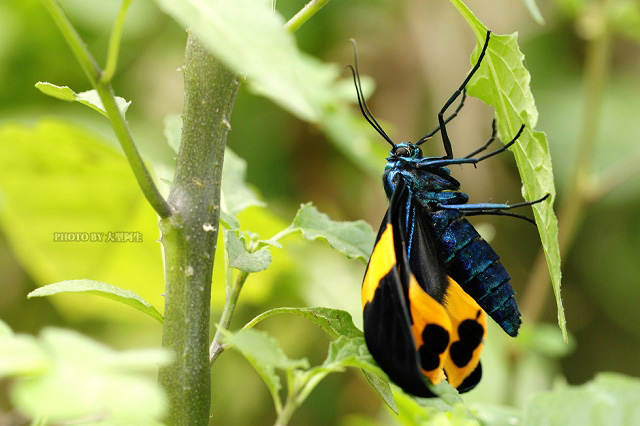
pixel 97 381
pixel 353 239
pixel 250 38
pixel 432 411
pixel 265 355
pixel 21 355
pixel 353 352
pixel 268 243
pixel 229 221
pixel 240 258
pixel 264 348
pixel 348 350
pixel 502 81
pixel 611 399
pixel 60 181
pixel 89 98
pixel 236 195
pixel 335 322
pixel 380 383
pixel 173 131
pixel 127 297
pixel 494 414
pixel 63 93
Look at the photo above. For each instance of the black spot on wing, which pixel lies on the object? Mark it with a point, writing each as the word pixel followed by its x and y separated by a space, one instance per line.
pixel 470 333
pixel 436 340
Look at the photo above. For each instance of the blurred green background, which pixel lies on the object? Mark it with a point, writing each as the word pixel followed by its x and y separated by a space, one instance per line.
pixel 417 52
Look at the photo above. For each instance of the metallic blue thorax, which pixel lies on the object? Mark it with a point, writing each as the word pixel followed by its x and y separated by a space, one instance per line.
pixel 429 184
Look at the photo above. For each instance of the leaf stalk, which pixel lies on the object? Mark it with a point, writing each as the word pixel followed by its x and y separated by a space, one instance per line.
pixel 102 86
pixel 305 14
pixel 231 300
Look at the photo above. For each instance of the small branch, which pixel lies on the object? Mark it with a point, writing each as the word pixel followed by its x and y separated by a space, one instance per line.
pixel 140 171
pixel 79 49
pixel 233 292
pixel 266 315
pixel 305 14
pixel 120 127
pixel 286 231
pixel 114 44
pixel 291 403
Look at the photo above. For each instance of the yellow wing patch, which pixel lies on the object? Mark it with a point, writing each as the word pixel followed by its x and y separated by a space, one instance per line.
pixel 431 329
pixel 468 331
pixel 382 260
pixel 448 338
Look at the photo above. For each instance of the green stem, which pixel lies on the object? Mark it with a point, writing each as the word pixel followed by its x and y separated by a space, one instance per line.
pixel 286 413
pixel 266 315
pixel 79 49
pixel 114 44
pixel 305 14
pixel 189 236
pixel 120 127
pixel 140 171
pixel 291 403
pixel 576 198
pixel 216 347
pixel 298 391
pixel 286 231
pixel 310 384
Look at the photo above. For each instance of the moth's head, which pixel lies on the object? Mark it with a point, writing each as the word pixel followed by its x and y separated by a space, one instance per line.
pixel 406 150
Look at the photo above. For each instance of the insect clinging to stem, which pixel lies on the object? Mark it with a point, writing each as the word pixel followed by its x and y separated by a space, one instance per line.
pixel 432 279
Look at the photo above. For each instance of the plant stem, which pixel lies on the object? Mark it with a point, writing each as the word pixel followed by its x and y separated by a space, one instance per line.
pixel 225 319
pixel 291 403
pixel 120 127
pixel 304 14
pixel 189 236
pixel 114 44
pixel 286 413
pixel 576 198
pixel 286 231
pixel 79 49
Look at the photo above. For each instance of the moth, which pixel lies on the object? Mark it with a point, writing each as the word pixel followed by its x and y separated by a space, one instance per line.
pixel 432 279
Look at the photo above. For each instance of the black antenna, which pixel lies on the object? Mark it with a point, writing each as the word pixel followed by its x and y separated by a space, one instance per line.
pixel 363 104
pixel 442 122
pixel 451 117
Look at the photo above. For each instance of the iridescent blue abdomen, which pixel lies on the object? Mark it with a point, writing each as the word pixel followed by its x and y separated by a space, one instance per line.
pixel 467 257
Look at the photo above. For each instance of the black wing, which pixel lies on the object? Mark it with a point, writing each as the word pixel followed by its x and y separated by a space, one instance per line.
pixel 407 331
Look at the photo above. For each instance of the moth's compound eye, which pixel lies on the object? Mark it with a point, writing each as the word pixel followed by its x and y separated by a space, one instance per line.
pixel 403 151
